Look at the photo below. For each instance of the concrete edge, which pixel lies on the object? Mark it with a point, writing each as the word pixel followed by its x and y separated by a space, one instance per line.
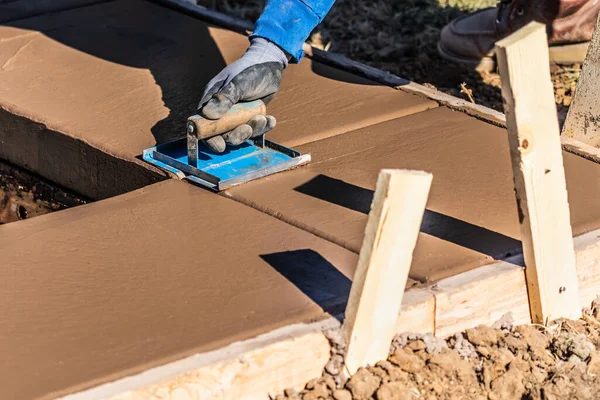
pixel 82 167
pixel 246 369
pixel 293 355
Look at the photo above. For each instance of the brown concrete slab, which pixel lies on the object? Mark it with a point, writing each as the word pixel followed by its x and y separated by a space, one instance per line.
pixel 83 92
pixel 97 292
pixel 317 101
pixel 471 217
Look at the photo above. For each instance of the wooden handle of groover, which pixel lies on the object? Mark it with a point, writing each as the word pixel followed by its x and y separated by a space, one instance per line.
pixel 238 115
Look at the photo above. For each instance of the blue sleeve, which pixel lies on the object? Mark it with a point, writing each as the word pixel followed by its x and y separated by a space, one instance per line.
pixel 288 23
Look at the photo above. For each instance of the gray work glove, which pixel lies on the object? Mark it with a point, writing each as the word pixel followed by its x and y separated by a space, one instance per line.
pixel 256 75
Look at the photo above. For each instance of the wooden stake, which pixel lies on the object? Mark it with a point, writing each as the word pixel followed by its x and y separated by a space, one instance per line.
pixel 583 119
pixel 539 174
pixel 380 278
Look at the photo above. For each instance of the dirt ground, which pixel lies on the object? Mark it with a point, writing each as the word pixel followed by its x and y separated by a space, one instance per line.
pixel 400 36
pixel 24 195
pixel 561 361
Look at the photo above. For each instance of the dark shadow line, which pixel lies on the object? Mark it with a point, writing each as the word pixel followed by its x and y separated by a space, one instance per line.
pixel 439 225
pixel 316 277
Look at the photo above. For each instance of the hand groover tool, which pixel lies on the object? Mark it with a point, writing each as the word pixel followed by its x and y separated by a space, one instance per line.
pixel 191 159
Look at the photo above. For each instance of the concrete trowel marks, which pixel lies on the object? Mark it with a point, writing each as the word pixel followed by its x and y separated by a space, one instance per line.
pixel 109 80
pixel 471 216
pixel 101 291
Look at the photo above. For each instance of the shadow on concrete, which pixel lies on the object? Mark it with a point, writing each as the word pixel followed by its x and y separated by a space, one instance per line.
pixel 335 74
pixel 441 226
pixel 316 277
pixel 178 51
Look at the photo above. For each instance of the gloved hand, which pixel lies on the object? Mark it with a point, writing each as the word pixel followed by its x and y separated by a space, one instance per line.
pixel 256 75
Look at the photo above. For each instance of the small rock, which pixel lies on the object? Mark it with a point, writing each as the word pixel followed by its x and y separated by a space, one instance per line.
pixel 417 345
pixel 484 351
pixel 402 340
pixel 397 374
pixel 380 372
pixel 319 390
pixel 434 344
pixel 384 364
pixel 291 392
pixel 437 388
pixel 340 380
pixel 537 343
pixel 464 347
pixel 567 344
pixel 311 384
pixel 342 394
pixel 329 382
pixel 452 364
pixel 363 384
pixel 483 336
pixel 399 342
pixel 407 360
pixel 502 358
pixel 506 322
pixel 394 391
pixel 533 337
pixel 515 344
pixel 574 359
pixel 593 366
pixel 508 386
pixel 419 378
pixel 335 365
pixel 336 337
pixel 539 375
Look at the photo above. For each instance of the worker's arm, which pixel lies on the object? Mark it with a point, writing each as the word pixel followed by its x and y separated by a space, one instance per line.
pixel 288 23
pixel 278 37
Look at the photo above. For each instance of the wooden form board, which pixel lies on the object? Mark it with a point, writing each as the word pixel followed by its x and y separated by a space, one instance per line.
pixel 538 171
pixel 385 259
pixel 583 119
pixel 291 356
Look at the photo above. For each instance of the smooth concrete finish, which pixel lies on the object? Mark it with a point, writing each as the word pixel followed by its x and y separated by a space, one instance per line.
pixel 317 101
pixel 105 290
pixel 83 92
pixel 471 216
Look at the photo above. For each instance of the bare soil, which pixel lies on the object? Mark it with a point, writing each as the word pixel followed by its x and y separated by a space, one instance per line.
pixel 24 195
pixel 400 36
pixel 503 362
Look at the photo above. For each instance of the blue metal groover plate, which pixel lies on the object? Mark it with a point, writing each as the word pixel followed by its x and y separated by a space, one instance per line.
pixel 218 171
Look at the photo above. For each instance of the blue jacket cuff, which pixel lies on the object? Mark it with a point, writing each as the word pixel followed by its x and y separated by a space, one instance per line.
pixel 288 23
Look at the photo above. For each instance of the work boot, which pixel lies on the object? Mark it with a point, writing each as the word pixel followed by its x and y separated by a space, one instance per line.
pixel 470 39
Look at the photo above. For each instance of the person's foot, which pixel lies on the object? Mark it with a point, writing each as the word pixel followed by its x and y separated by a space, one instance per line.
pixel 470 39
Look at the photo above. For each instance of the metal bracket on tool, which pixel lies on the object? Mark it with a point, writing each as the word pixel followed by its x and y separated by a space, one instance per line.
pixel 251 160
pixel 191 159
pixel 192 145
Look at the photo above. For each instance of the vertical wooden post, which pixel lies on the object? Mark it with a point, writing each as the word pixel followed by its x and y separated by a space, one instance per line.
pixel 583 119
pixel 380 278
pixel 539 174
